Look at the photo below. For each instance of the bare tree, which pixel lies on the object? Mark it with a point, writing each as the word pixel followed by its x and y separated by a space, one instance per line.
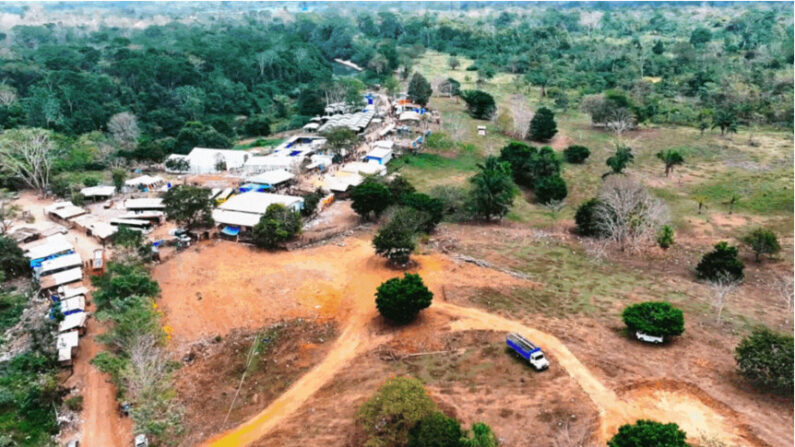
pixel 784 287
pixel 722 287
pixel 28 154
pixel 571 435
pixel 124 128
pixel 522 115
pixel 620 121
pixel 8 95
pixel 627 213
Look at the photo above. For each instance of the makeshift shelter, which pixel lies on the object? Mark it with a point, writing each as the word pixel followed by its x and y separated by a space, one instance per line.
pixel 66 344
pixel 142 204
pixel 340 184
pixel 64 211
pixel 98 192
pixel 145 182
pixel 245 210
pixel 73 305
pixel 207 161
pixel 51 246
pixel 75 321
pixel 66 292
pixel 409 115
pixel 256 165
pixel 380 155
pixel 364 168
pixel 273 179
pixel 58 264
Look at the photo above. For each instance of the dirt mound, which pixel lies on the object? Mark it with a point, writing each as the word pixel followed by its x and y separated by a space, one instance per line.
pixel 271 359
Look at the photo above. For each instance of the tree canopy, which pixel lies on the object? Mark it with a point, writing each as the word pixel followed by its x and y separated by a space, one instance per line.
pixel 654 318
pixel 401 299
pixel 189 205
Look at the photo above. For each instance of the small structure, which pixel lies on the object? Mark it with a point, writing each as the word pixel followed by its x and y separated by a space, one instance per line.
pixel 73 305
pixel 52 246
pixel 320 162
pixel 63 211
pixel 67 344
pixel 72 322
pixel 311 127
pixel 273 179
pixel 145 182
pixel 363 168
pixel 207 161
pixel 100 192
pixel 356 122
pixel 341 184
pixel 67 292
pixel 102 231
pixel 381 154
pixel 245 210
pixel 482 131
pixel 58 264
pixel 409 116
pixel 62 278
pixel 144 204
pixel 224 195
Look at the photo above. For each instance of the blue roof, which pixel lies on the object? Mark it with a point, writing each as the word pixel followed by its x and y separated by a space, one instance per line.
pixel 231 231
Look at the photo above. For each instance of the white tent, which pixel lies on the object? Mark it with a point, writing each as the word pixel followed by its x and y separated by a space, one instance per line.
pixel 60 263
pixel 144 204
pixel 266 163
pixel 74 303
pixel 364 168
pixel 204 161
pixel 145 181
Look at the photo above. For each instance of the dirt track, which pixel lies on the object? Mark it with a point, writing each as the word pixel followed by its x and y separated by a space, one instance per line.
pixel 695 412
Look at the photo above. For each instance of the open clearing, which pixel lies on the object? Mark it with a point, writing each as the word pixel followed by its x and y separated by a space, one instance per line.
pixel 473 376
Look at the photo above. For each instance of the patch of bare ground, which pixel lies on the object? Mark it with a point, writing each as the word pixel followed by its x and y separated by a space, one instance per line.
pixel 261 364
pixel 469 375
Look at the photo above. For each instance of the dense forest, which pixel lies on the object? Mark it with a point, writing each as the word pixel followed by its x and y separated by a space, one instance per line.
pixel 209 81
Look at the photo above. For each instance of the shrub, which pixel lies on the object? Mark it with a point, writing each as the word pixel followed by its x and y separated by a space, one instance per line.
pixel 395 240
pixel 551 188
pixel 720 262
pixel 12 259
pixel 765 358
pixel 126 237
pixel 586 218
pixel 279 224
pixel 576 154
pixel 401 299
pixel 74 403
pixel 654 318
pixel 482 436
pixel 665 238
pixel 648 433
pixel 311 200
pixel 90 181
pixel 435 430
pixel 370 197
pixel 398 188
pixel 480 105
pixel 762 241
pixel 388 416
pixel 543 125
pixel 620 160
pixel 433 208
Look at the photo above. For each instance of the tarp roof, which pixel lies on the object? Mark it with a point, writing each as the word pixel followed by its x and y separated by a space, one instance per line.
pixel 341 183
pixel 144 180
pixel 258 202
pixel 201 156
pixel 65 261
pixel 131 222
pixel 144 203
pixel 74 303
pixel 69 292
pixel 380 152
pixel 98 191
pixel 275 177
pixel 72 321
pixel 60 278
pixel 235 218
pixel 65 210
pixel 409 116
pixel 50 246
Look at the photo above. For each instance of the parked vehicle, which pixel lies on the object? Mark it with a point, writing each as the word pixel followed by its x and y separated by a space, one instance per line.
pixel 73 443
pixel 644 337
pixel 528 351
pixel 141 441
pixel 125 408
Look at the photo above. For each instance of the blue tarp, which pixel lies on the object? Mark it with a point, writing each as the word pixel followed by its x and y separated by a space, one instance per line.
pixel 37 262
pixel 231 231
pixel 294 153
pixel 253 187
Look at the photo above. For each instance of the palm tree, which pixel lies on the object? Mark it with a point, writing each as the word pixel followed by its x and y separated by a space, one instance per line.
pixel 671 158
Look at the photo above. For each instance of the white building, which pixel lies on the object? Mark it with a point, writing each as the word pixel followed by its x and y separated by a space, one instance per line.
pixel 273 178
pixel 381 153
pixel 265 163
pixel 362 168
pixel 64 210
pixel 98 192
pixel 208 161
pixel 54 245
pixel 244 210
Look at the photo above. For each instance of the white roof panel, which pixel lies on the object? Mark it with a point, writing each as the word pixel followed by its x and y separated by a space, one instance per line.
pixel 275 177
pixel 67 340
pixel 98 191
pixel 51 246
pixel 72 321
pixel 258 202
pixel 235 218
pixel 144 203
pixel 61 262
pixel 60 278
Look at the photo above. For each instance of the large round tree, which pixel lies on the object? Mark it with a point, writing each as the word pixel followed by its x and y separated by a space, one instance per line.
pixel 656 318
pixel 543 125
pixel 648 434
pixel 765 358
pixel 401 299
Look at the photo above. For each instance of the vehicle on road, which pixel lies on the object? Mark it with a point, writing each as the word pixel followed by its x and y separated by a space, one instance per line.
pixel 528 351
pixel 644 337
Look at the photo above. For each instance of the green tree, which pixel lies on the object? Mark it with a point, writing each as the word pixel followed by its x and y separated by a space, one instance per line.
pixel 481 436
pixel 620 160
pixel 401 299
pixel 762 241
pixel 645 433
pixel 539 79
pixel 12 259
pixel 671 158
pixel 726 120
pixel 395 240
pixel 665 238
pixel 658 47
pixel 721 261
pixel 432 207
pixel 195 134
pixel 119 176
pixel 576 154
pixel 656 318
pixel 419 89
pixel 339 138
pixel 543 125
pixel 453 62
pixel 128 238
pixel 189 205
pixel 310 102
pixel 279 224
pixel 387 418
pixel 257 126
pixel 700 36
pixel 311 201
pixel 399 187
pixel 492 189
pixel 370 198
pixel 436 430
pixel 120 282
pixel 480 105
pixel 765 358
pixel 550 189
pixel 586 218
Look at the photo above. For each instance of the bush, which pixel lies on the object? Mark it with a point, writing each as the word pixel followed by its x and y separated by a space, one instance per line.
pixel 765 358
pixel 719 262
pixel 311 200
pixel 648 433
pixel 529 164
pixel 120 282
pixel 74 403
pixel 433 208
pixel 370 197
pixel 401 299
pixel 90 181
pixel 543 125
pixel 456 206
pixel 388 416
pixel 126 237
pixel 279 224
pixel 482 436
pixel 762 241
pixel 13 262
pixel 665 238
pixel 576 154
pixel 399 187
pixel 586 218
pixel 549 189
pixel 654 318
pixel 436 430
